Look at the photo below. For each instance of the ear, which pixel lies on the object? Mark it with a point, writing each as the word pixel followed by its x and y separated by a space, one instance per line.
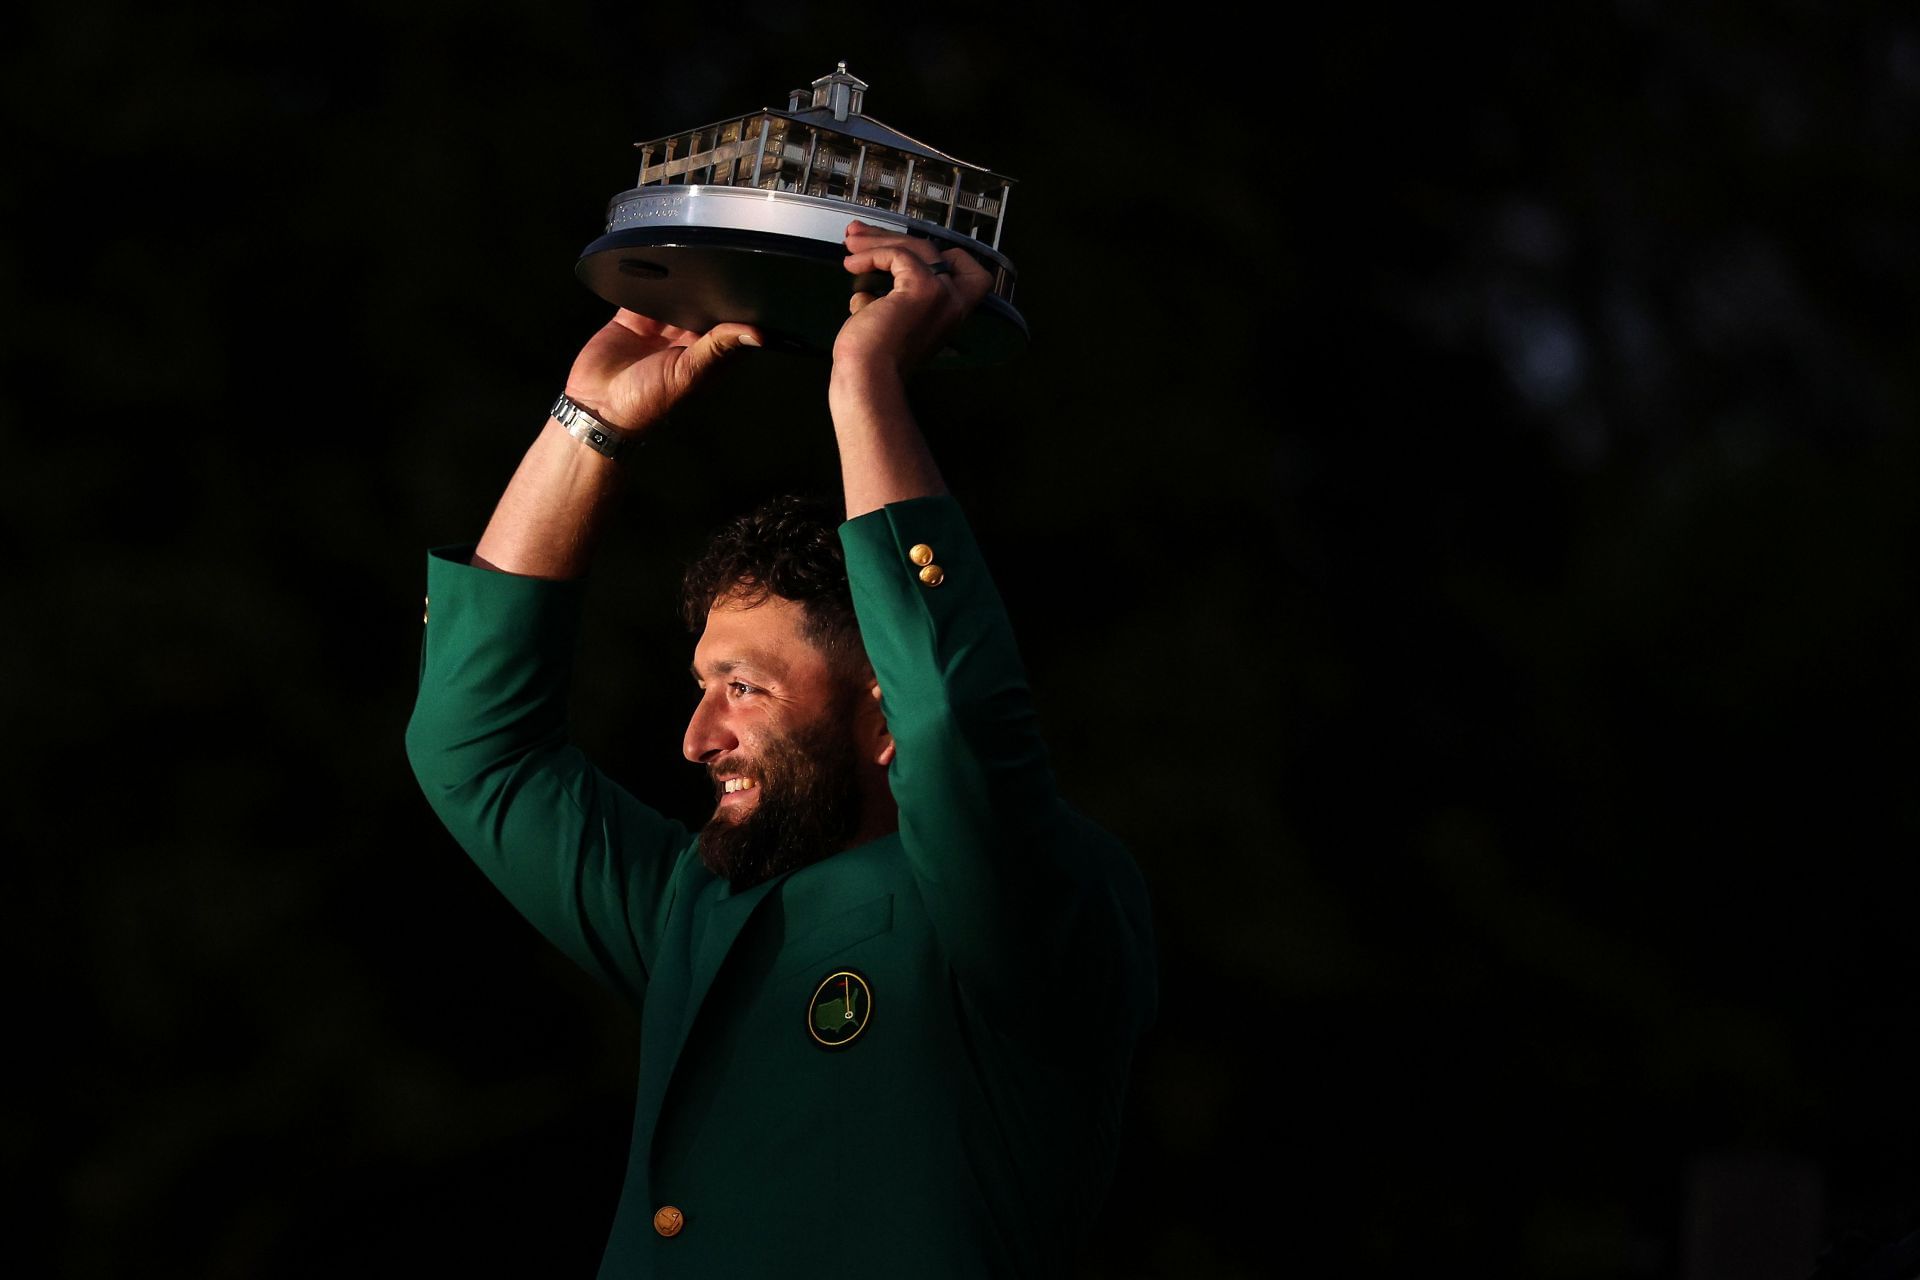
pixel 876 742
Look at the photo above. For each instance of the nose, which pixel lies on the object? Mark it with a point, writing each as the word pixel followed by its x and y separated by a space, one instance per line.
pixel 708 735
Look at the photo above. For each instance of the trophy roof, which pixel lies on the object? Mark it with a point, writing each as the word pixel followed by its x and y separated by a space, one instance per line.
pixel 864 128
pixel 835 109
pixel 867 129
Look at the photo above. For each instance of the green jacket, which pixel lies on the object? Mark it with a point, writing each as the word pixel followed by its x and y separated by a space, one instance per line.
pixel 908 1059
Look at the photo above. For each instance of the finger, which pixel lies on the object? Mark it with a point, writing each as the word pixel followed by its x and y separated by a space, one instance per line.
pixel 857 228
pixel 919 250
pixel 969 279
pixel 947 269
pixel 715 345
pixel 965 265
pixel 901 261
pixel 645 326
pixel 862 238
pixel 648 327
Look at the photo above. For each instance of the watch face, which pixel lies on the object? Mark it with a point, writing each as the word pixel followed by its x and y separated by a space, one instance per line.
pixel 841 1008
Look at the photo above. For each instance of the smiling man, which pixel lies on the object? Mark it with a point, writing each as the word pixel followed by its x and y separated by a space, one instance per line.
pixel 889 993
pixel 789 724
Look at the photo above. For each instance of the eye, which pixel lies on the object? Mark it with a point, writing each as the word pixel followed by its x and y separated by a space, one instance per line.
pixel 740 688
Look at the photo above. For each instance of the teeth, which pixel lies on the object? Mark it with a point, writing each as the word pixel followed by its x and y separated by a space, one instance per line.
pixel 738 784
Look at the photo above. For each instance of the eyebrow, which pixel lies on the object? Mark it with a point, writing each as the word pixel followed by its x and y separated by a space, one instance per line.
pixel 727 666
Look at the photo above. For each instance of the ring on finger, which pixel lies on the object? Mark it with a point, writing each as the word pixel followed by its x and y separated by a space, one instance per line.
pixel 940 267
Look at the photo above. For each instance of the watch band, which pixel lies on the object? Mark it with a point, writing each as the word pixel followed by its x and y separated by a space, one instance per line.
pixel 587 429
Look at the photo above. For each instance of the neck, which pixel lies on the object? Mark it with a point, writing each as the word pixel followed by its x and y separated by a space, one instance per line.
pixel 879 813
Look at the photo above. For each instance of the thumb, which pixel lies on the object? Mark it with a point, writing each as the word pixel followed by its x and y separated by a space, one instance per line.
pixel 715 345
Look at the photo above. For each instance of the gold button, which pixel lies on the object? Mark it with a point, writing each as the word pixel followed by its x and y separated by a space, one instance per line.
pixel 668 1220
pixel 933 575
pixel 921 554
pixel 424 601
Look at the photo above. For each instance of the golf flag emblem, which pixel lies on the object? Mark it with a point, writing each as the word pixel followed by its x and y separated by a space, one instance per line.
pixel 840 1010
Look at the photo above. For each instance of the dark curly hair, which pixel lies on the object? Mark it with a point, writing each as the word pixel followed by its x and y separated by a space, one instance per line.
pixel 788 547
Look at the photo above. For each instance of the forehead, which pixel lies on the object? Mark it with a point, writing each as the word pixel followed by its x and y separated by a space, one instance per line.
pixel 769 636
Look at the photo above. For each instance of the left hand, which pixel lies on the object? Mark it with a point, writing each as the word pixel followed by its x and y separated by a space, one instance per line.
pixel 910 322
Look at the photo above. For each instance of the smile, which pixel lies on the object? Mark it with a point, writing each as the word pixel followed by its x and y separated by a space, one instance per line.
pixel 738 784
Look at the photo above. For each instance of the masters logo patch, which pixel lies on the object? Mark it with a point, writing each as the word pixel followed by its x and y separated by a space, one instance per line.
pixel 841 1008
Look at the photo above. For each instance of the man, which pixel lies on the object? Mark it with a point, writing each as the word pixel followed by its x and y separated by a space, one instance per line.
pixel 889 994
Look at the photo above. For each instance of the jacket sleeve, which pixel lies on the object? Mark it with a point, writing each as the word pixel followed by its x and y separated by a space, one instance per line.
pixel 588 865
pixel 1044 916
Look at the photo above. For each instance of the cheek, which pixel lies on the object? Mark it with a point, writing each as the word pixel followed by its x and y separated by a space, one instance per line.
pixel 758 740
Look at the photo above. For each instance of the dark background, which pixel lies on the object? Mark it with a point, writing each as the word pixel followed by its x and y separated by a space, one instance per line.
pixel 1458 507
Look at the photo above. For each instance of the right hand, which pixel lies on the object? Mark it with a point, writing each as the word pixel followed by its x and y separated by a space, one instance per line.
pixel 635 369
pixel 904 326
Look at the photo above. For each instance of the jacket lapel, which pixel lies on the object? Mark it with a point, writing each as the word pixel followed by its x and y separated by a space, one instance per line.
pixel 714 938
pixel 714 924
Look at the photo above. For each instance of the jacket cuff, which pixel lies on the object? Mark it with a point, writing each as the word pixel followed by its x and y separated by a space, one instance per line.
pixel 475 614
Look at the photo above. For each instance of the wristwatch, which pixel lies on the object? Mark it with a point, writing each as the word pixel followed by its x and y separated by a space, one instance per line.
pixel 586 428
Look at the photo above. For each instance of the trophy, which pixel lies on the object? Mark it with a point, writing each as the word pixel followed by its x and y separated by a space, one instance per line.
pixel 745 220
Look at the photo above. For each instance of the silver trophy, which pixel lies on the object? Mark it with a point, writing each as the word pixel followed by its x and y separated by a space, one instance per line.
pixel 745 220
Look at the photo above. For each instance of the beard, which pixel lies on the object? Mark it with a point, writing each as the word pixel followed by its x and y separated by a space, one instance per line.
pixel 809 805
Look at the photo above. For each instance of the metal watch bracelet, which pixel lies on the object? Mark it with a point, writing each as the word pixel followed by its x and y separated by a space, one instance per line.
pixel 586 428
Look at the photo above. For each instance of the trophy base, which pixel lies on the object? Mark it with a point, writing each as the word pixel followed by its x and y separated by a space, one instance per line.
pixel 792 288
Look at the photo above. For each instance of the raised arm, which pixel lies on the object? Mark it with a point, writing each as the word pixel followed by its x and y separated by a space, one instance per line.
pixel 583 861
pixel 883 457
pixel 1044 915
pixel 627 376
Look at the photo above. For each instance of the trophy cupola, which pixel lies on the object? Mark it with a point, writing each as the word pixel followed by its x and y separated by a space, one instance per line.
pixel 840 93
